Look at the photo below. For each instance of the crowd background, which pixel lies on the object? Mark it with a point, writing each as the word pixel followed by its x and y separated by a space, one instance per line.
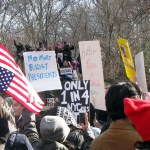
pixel 83 20
pixel 126 126
pixel 117 128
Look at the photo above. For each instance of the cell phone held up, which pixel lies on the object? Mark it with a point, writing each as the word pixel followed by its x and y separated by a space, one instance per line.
pixel 82 118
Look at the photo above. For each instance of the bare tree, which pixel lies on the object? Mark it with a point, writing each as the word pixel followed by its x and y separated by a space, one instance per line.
pixel 51 21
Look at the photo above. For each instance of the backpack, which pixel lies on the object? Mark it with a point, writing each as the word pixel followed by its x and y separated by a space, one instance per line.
pixel 17 141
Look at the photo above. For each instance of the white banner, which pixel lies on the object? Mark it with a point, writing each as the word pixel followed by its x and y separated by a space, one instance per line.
pixel 90 53
pixel 140 71
pixel 41 70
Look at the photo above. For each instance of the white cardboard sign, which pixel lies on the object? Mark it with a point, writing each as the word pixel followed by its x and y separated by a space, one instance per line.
pixel 41 70
pixel 90 53
pixel 140 71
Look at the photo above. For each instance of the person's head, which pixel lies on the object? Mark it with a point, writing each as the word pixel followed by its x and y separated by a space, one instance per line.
pixel 50 47
pixel 17 108
pixel 54 128
pixel 65 42
pixel 9 100
pixel 28 48
pixel 138 111
pixel 59 46
pixel 20 43
pixel 115 96
pixel 76 138
pixel 65 63
pixel 40 44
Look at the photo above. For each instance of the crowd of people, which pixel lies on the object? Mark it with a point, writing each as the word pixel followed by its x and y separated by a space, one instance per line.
pixel 63 57
pixel 125 127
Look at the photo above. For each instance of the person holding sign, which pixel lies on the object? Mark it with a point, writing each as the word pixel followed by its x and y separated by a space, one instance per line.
pixel 66 70
pixel 53 129
pixel 82 137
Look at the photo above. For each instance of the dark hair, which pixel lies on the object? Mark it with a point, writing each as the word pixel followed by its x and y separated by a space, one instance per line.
pixel 115 96
pixel 28 48
pixel 76 138
pixel 40 44
pixel 69 146
pixel 3 127
pixel 92 114
pixel 142 145
pixel 65 42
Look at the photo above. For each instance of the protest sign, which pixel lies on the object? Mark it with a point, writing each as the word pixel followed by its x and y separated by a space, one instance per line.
pixel 75 96
pixel 60 55
pixel 90 53
pixel 41 70
pixel 65 71
pixel 50 102
pixel 140 71
pixel 66 115
pixel 127 58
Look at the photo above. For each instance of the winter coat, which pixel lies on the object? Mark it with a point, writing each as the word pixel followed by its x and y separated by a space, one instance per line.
pixel 29 129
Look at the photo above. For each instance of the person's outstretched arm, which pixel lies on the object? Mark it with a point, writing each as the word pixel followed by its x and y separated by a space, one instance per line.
pixel 15 43
pixel 87 134
pixel 29 127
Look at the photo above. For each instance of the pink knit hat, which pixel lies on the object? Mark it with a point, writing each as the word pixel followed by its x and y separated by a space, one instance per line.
pixel 59 45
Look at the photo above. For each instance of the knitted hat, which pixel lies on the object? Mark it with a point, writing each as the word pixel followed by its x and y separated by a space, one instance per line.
pixel 138 111
pixel 54 128
pixel 59 45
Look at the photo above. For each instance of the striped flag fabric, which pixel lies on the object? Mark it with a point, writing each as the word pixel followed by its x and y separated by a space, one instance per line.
pixel 14 83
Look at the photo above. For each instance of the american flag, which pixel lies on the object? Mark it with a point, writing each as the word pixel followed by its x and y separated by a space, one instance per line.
pixel 14 83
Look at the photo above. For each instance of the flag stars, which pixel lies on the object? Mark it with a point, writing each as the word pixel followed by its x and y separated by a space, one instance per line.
pixel 6 77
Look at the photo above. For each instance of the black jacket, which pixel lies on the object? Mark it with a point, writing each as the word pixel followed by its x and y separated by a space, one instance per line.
pixel 20 48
